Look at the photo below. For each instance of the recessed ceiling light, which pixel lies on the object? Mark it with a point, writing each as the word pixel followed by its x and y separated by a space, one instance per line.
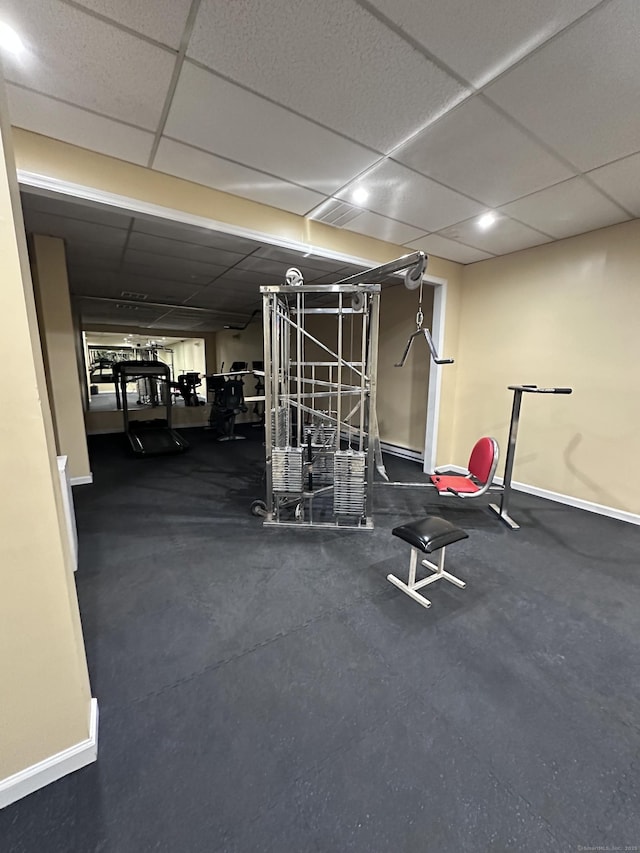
pixel 10 41
pixel 360 195
pixel 486 221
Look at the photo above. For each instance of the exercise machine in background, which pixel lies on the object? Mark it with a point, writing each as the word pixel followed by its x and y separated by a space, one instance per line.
pixel 228 401
pixel 149 437
pixel 187 386
pixel 502 509
pixel 258 396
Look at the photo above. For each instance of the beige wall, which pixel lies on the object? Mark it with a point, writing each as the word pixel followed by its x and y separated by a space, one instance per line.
pixel 562 314
pixel 59 347
pixel 402 392
pixel 236 345
pixel 45 686
pixel 189 356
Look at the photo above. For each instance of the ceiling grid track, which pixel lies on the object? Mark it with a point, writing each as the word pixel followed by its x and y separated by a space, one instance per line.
pixel 184 43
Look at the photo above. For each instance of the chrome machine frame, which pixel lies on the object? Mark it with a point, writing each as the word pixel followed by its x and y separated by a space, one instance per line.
pixel 316 407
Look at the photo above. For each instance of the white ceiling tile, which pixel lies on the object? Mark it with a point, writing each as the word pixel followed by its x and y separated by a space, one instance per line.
pixel 331 278
pixel 434 244
pixel 112 285
pixel 86 254
pixel 192 234
pixel 224 119
pixel 288 257
pixel 477 151
pixel 572 207
pixel 88 62
pixel 177 321
pixel 581 93
pixel 74 209
pixel 622 181
pixel 258 270
pixel 43 115
pixel 504 237
pixel 401 194
pixel 383 228
pixel 166 265
pixel 212 297
pixel 73 229
pixel 104 312
pixel 179 249
pixel 331 61
pixel 165 24
pixel 268 269
pixel 79 264
pixel 172 275
pixel 211 171
pixel 481 40
pixel 256 277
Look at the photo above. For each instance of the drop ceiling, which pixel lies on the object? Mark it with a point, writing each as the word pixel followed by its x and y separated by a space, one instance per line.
pixel 440 110
pixel 140 271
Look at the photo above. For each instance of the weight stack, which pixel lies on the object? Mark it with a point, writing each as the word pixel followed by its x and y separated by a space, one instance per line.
pixel 286 469
pixel 349 472
pixel 281 420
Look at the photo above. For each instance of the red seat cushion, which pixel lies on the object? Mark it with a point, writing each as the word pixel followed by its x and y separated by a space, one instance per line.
pixel 442 482
pixel 481 459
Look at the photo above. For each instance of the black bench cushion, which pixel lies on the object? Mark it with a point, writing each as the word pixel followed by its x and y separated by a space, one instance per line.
pixel 430 533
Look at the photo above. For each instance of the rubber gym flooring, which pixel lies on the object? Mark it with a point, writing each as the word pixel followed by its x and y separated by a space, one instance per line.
pixel 269 690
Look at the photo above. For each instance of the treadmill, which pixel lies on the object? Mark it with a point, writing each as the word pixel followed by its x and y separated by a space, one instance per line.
pixel 149 437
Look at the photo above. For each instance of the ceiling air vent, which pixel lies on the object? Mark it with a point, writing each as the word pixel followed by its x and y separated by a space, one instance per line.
pixel 131 294
pixel 339 213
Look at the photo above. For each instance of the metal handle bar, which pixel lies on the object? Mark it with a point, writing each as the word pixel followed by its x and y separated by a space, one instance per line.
pixel 536 390
pixel 429 339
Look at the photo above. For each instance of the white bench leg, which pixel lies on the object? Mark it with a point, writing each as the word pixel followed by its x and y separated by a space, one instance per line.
pixel 412 586
pixel 409 591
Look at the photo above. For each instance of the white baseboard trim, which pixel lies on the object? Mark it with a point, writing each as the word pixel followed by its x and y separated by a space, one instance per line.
pixel 49 770
pixel 86 480
pixel 568 500
pixel 402 452
pixel 578 503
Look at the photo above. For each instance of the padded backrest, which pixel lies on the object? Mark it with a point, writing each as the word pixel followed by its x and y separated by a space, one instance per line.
pixel 234 393
pixel 484 459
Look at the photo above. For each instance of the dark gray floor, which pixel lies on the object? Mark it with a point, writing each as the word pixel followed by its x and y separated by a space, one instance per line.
pixel 268 690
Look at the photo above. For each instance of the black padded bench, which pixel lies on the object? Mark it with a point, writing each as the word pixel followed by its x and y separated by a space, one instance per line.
pixel 427 535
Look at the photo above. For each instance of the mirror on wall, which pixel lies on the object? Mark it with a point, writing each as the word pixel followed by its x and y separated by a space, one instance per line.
pixel 184 356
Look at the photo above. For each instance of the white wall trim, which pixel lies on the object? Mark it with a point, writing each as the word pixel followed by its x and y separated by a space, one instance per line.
pixel 85 480
pixel 558 497
pixel 55 767
pixel 578 503
pixel 49 186
pixel 69 510
pixel 402 452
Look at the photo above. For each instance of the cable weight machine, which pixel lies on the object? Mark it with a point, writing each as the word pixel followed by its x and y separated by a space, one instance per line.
pixel 316 406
